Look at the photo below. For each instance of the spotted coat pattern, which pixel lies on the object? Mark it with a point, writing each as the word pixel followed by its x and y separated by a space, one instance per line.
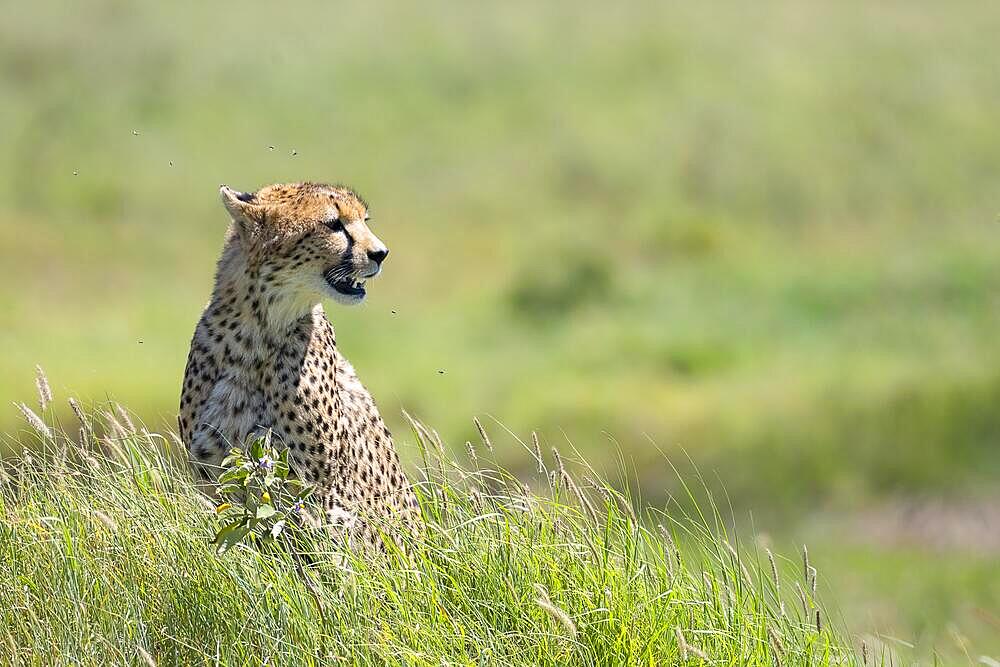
pixel 257 362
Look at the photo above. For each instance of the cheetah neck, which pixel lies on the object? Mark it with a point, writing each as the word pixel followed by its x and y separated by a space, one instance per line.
pixel 264 308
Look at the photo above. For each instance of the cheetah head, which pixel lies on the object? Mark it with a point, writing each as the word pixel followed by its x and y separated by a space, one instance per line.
pixel 308 240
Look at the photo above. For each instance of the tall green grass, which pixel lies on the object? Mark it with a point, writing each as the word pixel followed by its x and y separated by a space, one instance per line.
pixel 105 558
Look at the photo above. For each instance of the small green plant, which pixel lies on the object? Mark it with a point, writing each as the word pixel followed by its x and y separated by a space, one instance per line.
pixel 258 497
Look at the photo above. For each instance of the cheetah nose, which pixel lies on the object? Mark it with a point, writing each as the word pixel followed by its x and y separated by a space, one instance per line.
pixel 378 255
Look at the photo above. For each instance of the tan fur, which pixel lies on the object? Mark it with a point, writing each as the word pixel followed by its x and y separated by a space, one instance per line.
pixel 264 356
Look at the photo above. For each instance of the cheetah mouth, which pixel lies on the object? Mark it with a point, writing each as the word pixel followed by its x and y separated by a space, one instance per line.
pixel 351 288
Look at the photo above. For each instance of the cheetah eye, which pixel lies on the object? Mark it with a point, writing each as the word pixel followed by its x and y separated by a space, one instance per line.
pixel 335 225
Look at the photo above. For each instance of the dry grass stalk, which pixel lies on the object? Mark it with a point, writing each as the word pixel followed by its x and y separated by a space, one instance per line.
pixel 146 657
pixel 698 652
pixel 689 648
pixel 472 453
pixel 91 462
pixel 429 439
pixel 625 505
pixel 553 611
pixel 805 563
pixel 426 441
pixel 538 453
pixel 86 432
pixel 112 450
pixel 776 645
pixel 126 421
pixel 438 442
pixel 864 653
pixel 681 644
pixel 600 488
pixel 669 549
pixel 44 391
pixel 739 561
pixel 176 439
pixel 777 582
pixel 580 496
pixel 774 572
pixel 115 426
pixel 77 410
pixel 108 522
pixel 802 598
pixel 476 499
pixel 559 462
pixel 482 434
pixel 150 437
pixel 812 579
pixel 819 627
pixel 34 421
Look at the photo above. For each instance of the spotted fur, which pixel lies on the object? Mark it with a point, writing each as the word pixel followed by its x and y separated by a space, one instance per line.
pixel 264 355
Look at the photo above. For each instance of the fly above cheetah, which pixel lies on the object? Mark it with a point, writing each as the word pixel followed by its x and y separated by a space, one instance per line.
pixel 264 355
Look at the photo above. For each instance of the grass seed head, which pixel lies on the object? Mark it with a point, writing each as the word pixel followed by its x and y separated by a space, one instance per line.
pixel 554 612
pixel 681 644
pixel 600 488
pixel 776 645
pixel 670 550
pixel 472 453
pixel 34 421
pixel 559 462
pixel 44 391
pixel 77 410
pixel 538 453
pixel 126 421
pixel 146 657
pixel 482 434
pixel 108 522
pixel 774 572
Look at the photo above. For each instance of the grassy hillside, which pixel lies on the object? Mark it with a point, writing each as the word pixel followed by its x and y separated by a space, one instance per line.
pixel 760 236
pixel 107 560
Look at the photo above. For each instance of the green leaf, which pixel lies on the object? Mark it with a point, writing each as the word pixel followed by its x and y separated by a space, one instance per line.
pixel 229 536
pixel 233 475
pixel 257 449
pixel 234 457
pixel 265 511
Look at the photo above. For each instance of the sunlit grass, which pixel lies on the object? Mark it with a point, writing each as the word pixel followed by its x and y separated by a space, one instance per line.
pixel 105 557
pixel 763 236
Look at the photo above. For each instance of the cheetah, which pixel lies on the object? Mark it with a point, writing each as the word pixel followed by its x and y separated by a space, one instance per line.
pixel 264 355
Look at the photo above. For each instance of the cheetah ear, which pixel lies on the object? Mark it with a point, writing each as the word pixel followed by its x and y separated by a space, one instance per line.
pixel 247 215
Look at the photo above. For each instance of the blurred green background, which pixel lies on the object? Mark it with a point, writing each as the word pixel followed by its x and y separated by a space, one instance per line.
pixel 760 236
